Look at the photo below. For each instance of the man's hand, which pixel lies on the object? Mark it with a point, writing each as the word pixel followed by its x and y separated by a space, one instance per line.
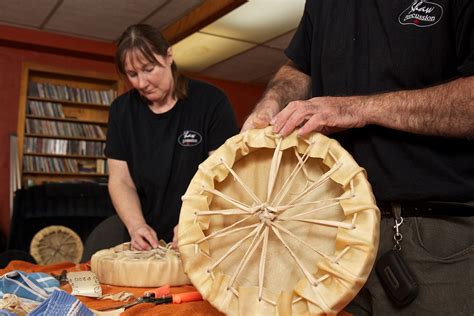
pixel 322 114
pixel 289 83
pixel 143 238
pixel 264 111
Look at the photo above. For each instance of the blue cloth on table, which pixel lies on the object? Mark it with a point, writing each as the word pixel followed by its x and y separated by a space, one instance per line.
pixel 61 303
pixel 31 287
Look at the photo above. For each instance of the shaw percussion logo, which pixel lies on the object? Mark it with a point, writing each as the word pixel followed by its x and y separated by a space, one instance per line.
pixel 421 13
pixel 189 138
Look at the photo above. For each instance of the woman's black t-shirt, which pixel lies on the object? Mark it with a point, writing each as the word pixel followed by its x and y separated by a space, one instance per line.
pixel 163 151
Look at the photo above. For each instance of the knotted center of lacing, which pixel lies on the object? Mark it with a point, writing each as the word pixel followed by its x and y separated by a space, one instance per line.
pixel 266 213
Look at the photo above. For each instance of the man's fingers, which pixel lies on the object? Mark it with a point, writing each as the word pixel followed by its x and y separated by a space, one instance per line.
pixel 247 125
pixel 256 121
pixel 261 118
pixel 293 122
pixel 290 118
pixel 281 119
pixel 314 125
pixel 311 125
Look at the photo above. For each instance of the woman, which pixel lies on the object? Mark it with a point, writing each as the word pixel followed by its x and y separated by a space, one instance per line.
pixel 158 134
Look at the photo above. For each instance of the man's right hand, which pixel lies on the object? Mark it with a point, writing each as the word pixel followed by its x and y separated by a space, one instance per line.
pixel 288 84
pixel 261 117
pixel 143 238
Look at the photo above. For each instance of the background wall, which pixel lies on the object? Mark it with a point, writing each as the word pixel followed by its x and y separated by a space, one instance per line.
pixel 22 45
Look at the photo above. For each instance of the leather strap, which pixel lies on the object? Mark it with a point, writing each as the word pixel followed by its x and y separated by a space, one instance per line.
pixel 427 209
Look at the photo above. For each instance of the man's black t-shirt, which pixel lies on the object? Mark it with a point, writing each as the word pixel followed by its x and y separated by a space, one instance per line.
pixel 367 47
pixel 163 151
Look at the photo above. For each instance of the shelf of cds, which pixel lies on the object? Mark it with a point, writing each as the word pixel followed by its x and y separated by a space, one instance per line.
pixel 62 124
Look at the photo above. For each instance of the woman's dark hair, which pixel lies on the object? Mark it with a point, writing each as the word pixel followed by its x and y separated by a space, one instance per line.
pixel 148 40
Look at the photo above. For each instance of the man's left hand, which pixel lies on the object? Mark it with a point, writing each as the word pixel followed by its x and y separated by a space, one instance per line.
pixel 321 114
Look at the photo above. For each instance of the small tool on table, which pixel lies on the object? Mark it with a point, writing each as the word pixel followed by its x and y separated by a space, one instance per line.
pixel 161 295
pixel 62 278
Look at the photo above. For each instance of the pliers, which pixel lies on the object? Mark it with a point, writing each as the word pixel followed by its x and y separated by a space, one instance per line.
pixel 161 295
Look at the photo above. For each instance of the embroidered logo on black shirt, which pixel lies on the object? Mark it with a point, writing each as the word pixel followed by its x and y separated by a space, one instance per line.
pixel 421 13
pixel 189 138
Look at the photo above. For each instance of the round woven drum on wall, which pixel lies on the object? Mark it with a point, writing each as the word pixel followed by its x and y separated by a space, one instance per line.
pixel 56 244
pixel 279 225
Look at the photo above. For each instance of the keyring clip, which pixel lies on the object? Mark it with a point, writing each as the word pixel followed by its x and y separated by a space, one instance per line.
pixel 397 236
pixel 398 223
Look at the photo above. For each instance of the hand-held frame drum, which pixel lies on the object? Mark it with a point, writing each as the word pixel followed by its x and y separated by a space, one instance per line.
pixel 279 225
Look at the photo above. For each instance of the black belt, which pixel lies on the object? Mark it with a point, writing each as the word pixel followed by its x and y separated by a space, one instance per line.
pixel 427 209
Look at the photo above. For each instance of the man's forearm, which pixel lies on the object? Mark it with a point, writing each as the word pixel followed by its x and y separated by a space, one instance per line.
pixel 443 110
pixel 287 85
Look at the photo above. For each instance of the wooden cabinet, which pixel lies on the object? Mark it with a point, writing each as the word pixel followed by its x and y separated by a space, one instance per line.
pixel 62 124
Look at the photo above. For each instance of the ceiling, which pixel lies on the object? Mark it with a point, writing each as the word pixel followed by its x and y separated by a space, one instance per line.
pixel 245 44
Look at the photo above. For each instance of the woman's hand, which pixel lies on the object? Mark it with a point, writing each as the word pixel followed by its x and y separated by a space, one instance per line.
pixel 174 243
pixel 143 238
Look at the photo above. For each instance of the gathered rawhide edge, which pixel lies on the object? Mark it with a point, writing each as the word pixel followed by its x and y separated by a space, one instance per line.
pixel 239 239
pixel 121 266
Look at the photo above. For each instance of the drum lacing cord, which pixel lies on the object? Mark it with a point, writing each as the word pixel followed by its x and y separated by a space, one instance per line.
pixel 268 215
pixel 13 303
pixel 156 253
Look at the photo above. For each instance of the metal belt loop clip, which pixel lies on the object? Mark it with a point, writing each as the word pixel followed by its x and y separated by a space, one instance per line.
pixel 397 215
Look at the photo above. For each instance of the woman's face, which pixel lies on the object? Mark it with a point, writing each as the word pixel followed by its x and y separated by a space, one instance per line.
pixel 154 80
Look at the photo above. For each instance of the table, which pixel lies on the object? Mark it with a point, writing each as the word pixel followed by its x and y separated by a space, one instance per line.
pixel 190 308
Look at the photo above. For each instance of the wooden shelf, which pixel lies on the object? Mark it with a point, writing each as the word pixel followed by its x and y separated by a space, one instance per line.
pixel 46 91
pixel 65 137
pixel 65 119
pixel 64 156
pixel 73 103
pixel 65 174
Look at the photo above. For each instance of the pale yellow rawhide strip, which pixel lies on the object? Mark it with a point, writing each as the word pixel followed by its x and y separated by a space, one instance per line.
pixel 284 226
pixel 15 305
pixel 121 266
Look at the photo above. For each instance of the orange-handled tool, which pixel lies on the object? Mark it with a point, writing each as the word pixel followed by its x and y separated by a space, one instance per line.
pixel 173 298
pixel 186 297
pixel 162 295
pixel 159 292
